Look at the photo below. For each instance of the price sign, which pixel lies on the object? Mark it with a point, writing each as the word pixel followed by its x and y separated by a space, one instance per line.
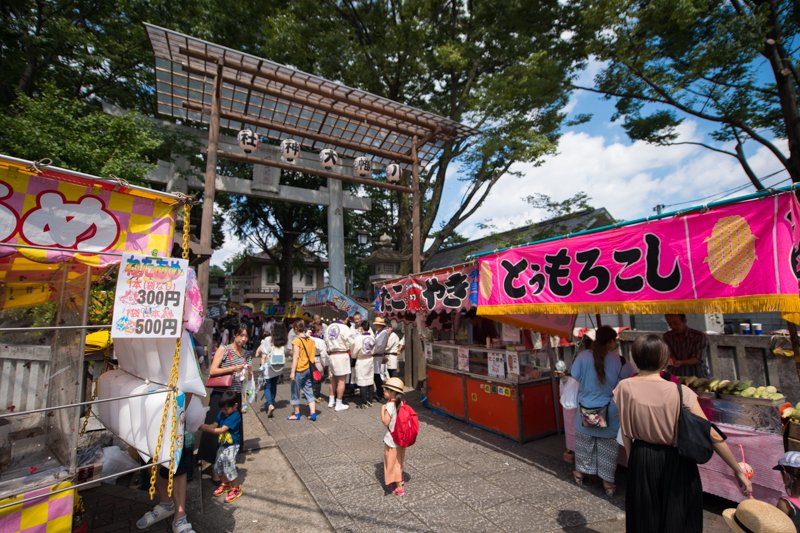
pixel 149 298
pixel 512 358
pixel 497 365
pixel 428 352
pixel 463 359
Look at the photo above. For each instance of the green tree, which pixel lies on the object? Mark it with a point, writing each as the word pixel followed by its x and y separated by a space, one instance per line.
pixel 730 63
pixel 283 231
pixel 503 67
pixel 79 135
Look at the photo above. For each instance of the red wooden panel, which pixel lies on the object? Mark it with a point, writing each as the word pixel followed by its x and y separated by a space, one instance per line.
pixel 446 392
pixel 488 408
pixel 538 415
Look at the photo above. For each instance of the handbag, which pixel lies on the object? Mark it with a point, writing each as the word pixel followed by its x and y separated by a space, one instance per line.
pixel 220 382
pixel 569 392
pixel 594 417
pixel 694 434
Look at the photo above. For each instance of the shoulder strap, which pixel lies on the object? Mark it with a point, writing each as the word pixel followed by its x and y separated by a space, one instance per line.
pixel 308 357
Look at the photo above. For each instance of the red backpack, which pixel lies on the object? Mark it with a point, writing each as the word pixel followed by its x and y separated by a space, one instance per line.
pixel 406 426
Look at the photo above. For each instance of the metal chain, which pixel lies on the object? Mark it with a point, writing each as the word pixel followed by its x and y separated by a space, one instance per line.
pixel 172 395
pixel 106 359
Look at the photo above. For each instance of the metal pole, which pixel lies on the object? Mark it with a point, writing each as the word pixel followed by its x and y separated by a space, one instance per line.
pixel 91 402
pixel 82 332
pixel 415 372
pixel 336 236
pixel 53 328
pixel 208 192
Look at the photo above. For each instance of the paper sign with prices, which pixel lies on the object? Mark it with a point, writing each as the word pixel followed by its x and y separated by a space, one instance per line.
pixel 150 297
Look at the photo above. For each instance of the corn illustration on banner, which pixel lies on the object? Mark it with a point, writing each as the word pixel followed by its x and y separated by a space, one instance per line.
pixel 733 258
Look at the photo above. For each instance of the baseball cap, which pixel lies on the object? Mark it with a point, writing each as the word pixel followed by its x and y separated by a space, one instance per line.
pixel 790 459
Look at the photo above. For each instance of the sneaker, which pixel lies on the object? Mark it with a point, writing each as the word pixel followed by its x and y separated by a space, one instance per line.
pixel 270 411
pixel 313 417
pixel 223 487
pixel 233 494
pixel 330 405
pixel 342 407
pixel 182 525
pixel 399 491
pixel 159 513
pixel 369 404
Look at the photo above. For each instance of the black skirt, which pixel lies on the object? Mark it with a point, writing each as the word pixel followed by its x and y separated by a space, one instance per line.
pixel 664 493
pixel 209 443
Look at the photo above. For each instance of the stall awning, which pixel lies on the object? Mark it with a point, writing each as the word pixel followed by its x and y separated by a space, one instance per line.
pixel 450 289
pixel 331 298
pixel 732 257
pixel 49 216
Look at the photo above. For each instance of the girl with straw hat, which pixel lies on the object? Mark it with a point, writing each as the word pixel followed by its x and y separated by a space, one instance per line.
pixel 393 455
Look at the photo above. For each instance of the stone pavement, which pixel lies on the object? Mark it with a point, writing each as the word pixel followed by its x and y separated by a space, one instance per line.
pixel 459 478
pixel 274 497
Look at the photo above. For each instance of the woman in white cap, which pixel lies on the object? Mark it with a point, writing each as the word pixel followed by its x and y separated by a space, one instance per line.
pixel 393 455
pixel 362 353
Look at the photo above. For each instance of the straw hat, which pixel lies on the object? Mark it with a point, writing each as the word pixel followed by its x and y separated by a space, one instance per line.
pixel 755 515
pixel 395 384
pixel 379 321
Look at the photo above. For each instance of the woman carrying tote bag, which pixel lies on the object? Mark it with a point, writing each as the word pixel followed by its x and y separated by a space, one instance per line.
pixel 663 493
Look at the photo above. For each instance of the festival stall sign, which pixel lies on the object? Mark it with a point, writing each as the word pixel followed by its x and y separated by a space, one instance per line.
pixel 335 299
pixel 738 257
pixel 50 215
pixel 150 296
pixel 445 290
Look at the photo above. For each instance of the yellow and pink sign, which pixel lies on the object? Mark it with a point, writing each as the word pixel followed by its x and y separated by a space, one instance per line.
pixel 86 218
pixel 734 258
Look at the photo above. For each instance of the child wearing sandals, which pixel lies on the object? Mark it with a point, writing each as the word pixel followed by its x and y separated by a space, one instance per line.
pixel 228 427
pixel 789 466
pixel 393 455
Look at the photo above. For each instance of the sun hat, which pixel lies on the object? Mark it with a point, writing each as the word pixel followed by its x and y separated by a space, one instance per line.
pixel 379 321
pixel 753 516
pixel 790 459
pixel 395 384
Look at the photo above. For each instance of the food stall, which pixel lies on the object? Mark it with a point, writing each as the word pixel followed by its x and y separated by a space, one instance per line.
pixel 733 256
pixel 494 375
pixel 59 231
pixel 331 303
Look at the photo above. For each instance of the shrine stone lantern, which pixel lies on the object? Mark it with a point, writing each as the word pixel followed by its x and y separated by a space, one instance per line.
pixel 385 261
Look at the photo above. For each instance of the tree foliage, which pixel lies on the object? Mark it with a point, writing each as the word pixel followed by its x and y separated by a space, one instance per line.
pixel 730 63
pixel 500 66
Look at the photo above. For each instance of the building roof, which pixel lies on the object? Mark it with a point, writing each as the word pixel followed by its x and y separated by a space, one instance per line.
pixel 309 258
pixel 554 227
pixel 279 102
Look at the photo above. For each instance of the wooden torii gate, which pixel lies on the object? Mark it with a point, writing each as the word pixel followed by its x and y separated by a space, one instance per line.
pixel 202 82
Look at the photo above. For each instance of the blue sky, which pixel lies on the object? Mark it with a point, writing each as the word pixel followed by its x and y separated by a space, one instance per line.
pixel 627 178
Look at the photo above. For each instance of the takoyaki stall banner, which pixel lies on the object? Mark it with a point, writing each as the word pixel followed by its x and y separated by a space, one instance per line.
pixel 450 289
pixel 740 257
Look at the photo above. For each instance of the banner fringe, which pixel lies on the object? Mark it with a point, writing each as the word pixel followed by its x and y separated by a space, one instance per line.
pixel 784 303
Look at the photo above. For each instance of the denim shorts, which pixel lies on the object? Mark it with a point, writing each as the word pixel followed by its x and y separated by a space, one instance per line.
pixel 302 381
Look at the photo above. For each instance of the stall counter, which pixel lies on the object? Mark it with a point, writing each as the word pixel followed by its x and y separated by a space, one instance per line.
pixel 523 411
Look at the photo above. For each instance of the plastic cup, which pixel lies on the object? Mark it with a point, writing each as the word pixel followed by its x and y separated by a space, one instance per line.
pixel 757 329
pixel 744 329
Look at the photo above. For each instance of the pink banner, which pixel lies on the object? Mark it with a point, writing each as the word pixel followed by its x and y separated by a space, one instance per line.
pixel 739 257
pixel 451 289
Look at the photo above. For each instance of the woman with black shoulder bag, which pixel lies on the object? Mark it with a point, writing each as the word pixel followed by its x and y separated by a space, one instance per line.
pixel 664 493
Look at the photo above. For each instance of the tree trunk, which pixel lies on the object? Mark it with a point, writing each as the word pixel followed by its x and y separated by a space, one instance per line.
pixel 286 282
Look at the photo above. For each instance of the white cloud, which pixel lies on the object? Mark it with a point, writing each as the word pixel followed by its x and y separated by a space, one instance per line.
pixel 627 179
pixel 231 247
